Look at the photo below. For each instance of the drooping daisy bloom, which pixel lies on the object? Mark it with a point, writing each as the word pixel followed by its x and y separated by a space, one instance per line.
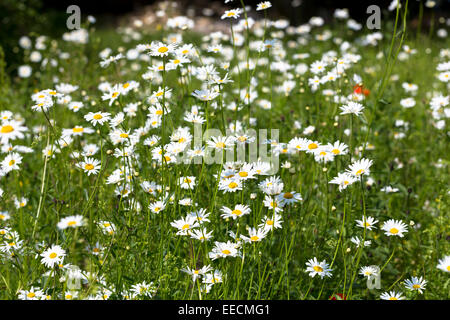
pixel 315 268
pixel 392 295
pixel 224 249
pixel 444 264
pixel 360 167
pixel 53 256
pixel 368 223
pixel 107 227
pixel 90 166
pixel 416 283
pixel 352 108
pixel 239 211
pixel 71 222
pixel 97 117
pixel 394 228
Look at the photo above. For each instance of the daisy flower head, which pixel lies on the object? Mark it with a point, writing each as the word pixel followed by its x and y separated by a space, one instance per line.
pixel 187 182
pixel 255 235
pixel 271 222
pixel 71 222
pixel 205 95
pixel 352 108
pixel 224 249
pixel 90 165
pixel 369 271
pixel 289 197
pixel 263 5
pixel 160 49
pixel 394 228
pixel 185 225
pixel 31 294
pixel 233 13
pixel 315 268
pixel 360 167
pixel 11 162
pixel 444 264
pixel 97 117
pixel 367 222
pixel 53 256
pixel 392 295
pixel 416 284
pixel 343 180
pixel 157 207
pixel 238 211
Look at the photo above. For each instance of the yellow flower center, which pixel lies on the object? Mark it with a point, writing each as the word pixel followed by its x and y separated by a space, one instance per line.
pixel 71 223
pixel 186 226
pixel 98 116
pixel 220 145
pixel 12 162
pixel 126 85
pixel 163 49
pixel 115 94
pixel 236 212
pixel 53 255
pixel 254 238
pixel 416 286
pixel 187 180
pixel 233 185
pixel 7 129
pixel 31 295
pixel 360 171
pixel 230 14
pixel 312 146
pixel 124 135
pixel 77 130
pixel 335 151
pixel 318 269
pixel 88 166
pixel 176 61
pixel 448 268
pixel 226 251
pixel 393 230
pixel 269 222
pixel 393 298
pixel 243 174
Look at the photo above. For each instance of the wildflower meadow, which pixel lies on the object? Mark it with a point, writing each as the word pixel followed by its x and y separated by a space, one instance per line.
pixel 262 160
